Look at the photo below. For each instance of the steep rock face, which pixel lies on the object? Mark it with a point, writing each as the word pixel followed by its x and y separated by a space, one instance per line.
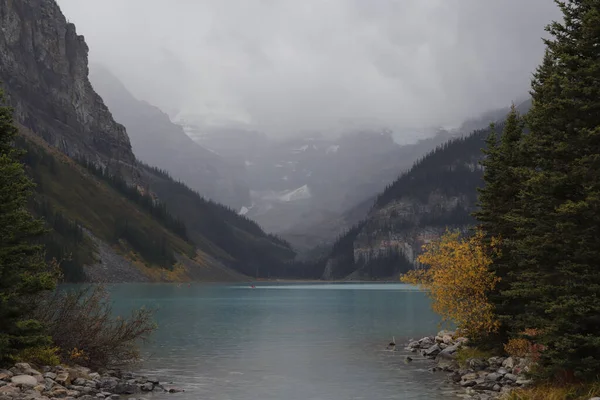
pixel 44 71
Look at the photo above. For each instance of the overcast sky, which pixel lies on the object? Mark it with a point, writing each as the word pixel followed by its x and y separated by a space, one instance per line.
pixel 284 66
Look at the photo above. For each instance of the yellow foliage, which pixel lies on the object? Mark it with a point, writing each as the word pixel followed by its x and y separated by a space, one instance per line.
pixel 77 354
pixel 458 280
pixel 43 355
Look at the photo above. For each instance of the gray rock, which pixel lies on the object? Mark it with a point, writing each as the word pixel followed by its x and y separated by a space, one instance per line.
pixel 509 363
pixel 22 366
pixel 125 388
pixel 493 377
pixel 523 382
pixel 454 377
pixel 497 387
pixel 432 351
pixel 426 342
pixel 24 380
pixel 484 385
pixel 511 377
pixel 148 386
pixel 449 351
pixel 470 383
pixel 50 375
pixel 62 378
pixel 502 371
pixel 471 376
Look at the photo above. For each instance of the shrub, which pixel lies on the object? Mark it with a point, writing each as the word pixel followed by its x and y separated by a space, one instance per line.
pixel 41 355
pixel 81 324
pixel 458 281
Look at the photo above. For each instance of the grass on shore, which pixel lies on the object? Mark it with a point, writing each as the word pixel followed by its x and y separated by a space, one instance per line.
pixel 552 392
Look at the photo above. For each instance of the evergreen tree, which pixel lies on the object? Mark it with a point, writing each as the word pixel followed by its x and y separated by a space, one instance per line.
pixel 557 242
pixel 497 200
pixel 22 268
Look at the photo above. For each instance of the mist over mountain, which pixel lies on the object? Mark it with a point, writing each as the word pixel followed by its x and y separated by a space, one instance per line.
pixel 291 67
pixel 157 141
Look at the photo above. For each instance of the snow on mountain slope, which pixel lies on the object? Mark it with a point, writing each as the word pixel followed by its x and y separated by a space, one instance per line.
pixel 301 193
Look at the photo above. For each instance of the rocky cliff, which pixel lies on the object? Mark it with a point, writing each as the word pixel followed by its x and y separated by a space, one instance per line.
pixel 44 71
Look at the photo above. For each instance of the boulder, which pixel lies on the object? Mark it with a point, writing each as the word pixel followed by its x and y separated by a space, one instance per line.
pixel 63 378
pixel 148 386
pixel 469 383
pixel 493 377
pixel 511 377
pixel 432 351
pixel 5 375
pixel 426 342
pixel 24 380
pixel 125 388
pixel 50 375
pixel 509 363
pixel 9 390
pixel 454 377
pixel 471 376
pixel 524 382
pixel 447 339
pixel 449 352
pixel 22 366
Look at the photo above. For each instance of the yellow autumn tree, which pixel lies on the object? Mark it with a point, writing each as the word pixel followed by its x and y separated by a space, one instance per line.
pixel 458 279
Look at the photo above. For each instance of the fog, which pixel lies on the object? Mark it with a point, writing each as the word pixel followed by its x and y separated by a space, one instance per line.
pixel 289 66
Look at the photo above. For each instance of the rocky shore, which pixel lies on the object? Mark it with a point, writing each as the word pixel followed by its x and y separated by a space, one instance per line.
pixel 481 378
pixel 22 382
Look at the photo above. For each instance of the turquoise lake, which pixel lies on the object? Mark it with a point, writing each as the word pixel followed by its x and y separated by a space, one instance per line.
pixel 286 341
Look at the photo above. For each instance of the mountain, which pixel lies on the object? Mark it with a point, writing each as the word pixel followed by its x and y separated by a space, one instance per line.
pixel 44 71
pixel 303 181
pixel 158 141
pixel 112 217
pixel 439 192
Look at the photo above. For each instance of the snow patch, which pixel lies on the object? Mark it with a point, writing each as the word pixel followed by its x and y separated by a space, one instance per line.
pixel 300 149
pixel 301 193
pixel 332 149
pixel 244 210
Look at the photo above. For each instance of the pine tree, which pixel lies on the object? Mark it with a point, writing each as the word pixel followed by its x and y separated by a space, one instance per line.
pixel 557 242
pixel 497 199
pixel 23 272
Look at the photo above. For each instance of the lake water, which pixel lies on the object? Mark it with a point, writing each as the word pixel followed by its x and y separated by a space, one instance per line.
pixel 286 342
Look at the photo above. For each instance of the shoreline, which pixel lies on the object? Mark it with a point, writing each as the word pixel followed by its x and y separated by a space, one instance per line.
pixel 480 378
pixel 61 382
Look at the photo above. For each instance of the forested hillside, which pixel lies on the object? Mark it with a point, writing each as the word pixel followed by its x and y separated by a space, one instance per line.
pixel 110 216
